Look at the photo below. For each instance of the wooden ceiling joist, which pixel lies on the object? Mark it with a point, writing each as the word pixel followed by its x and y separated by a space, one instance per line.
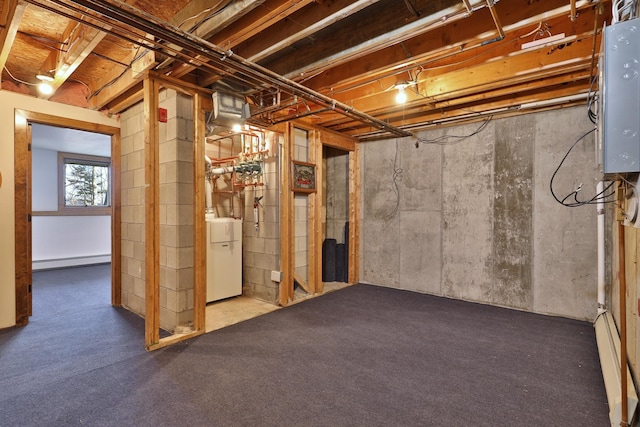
pixel 12 12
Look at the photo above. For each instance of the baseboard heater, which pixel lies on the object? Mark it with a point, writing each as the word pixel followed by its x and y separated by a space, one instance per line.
pixel 45 264
pixel 608 341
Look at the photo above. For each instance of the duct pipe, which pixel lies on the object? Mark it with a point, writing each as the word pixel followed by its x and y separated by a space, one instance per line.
pixel 227 60
pixel 601 248
pixel 623 310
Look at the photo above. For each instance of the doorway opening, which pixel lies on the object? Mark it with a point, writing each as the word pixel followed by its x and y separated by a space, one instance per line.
pixel 71 217
pixel 67 201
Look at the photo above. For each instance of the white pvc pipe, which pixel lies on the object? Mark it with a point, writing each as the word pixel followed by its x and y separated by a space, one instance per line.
pixel 221 171
pixel 208 190
pixel 601 248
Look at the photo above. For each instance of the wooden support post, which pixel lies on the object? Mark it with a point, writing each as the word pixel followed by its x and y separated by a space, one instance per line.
pixel 285 290
pixel 623 308
pixel 314 216
pixel 199 250
pixel 116 223
pixel 354 215
pixel 152 214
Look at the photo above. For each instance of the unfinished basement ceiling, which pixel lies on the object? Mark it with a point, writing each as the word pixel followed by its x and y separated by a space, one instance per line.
pixel 335 63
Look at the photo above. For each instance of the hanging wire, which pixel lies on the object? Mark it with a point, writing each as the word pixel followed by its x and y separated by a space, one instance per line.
pixel 17 79
pixel 396 177
pixel 571 200
pixel 450 139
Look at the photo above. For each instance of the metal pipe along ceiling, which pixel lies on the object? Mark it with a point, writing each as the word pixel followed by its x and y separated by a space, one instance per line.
pixel 190 46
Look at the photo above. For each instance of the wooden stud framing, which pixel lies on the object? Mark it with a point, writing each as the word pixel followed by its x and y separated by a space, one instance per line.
pixel 199 250
pixel 116 221
pixel 318 138
pixel 315 215
pixel 151 86
pixel 354 215
pixel 152 214
pixel 285 290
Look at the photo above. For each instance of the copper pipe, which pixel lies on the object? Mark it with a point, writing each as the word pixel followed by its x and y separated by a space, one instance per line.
pixel 623 309
pixel 573 11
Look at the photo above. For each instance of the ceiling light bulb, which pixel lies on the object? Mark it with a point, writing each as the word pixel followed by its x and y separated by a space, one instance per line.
pixel 237 128
pixel 44 77
pixel 401 97
pixel 45 88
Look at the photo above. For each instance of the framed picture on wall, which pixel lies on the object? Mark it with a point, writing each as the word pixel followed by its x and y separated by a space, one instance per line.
pixel 303 177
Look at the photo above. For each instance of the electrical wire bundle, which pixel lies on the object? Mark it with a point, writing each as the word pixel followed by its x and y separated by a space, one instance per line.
pixel 448 139
pixel 571 200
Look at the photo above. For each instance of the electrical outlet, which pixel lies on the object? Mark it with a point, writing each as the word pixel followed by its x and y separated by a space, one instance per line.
pixel 276 276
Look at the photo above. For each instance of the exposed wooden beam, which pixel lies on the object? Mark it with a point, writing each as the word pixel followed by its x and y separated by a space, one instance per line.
pixel 461 42
pixel 303 25
pixel 383 29
pixel 12 12
pixel 523 67
pixel 81 41
pixel 249 25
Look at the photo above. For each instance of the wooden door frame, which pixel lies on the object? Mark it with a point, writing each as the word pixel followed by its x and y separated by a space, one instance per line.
pixel 152 84
pixel 317 139
pixel 22 119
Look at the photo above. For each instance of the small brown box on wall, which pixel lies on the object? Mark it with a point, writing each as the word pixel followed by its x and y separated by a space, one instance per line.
pixel 303 177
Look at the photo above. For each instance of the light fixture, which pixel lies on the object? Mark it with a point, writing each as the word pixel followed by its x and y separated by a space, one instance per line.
pixel 236 127
pixel 44 77
pixel 401 96
pixel 44 87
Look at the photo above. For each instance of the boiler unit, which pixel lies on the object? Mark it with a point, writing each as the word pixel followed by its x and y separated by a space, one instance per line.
pixel 224 258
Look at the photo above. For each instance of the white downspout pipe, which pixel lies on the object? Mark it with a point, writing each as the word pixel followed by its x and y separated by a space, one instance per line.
pixel 601 248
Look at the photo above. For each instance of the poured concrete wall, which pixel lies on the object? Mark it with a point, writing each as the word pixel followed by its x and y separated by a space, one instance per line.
pixel 473 218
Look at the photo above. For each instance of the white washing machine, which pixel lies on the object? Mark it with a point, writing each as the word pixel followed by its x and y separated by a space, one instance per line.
pixel 224 257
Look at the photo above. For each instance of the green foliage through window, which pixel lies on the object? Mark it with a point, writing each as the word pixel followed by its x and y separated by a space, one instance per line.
pixel 86 183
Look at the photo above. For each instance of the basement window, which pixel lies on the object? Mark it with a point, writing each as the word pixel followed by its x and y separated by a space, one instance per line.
pixel 84 183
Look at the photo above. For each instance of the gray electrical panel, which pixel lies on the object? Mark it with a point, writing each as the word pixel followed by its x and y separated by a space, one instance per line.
pixel 619 113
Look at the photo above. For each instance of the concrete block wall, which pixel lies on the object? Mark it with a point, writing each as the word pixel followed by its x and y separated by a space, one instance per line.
pixel 474 219
pixel 176 148
pixel 132 209
pixel 176 210
pixel 261 246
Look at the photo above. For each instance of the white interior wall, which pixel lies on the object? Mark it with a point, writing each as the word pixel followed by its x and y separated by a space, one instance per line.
pixel 10 102
pixel 63 241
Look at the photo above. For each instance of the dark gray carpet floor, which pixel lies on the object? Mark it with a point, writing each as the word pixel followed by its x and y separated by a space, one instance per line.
pixel 361 356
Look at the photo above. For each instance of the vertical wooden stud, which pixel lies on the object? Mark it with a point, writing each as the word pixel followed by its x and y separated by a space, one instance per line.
pixel 354 214
pixel 152 213
pixel 285 290
pixel 116 223
pixel 200 264
pixel 315 215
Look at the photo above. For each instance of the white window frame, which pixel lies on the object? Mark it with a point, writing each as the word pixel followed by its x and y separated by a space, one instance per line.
pixel 63 159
